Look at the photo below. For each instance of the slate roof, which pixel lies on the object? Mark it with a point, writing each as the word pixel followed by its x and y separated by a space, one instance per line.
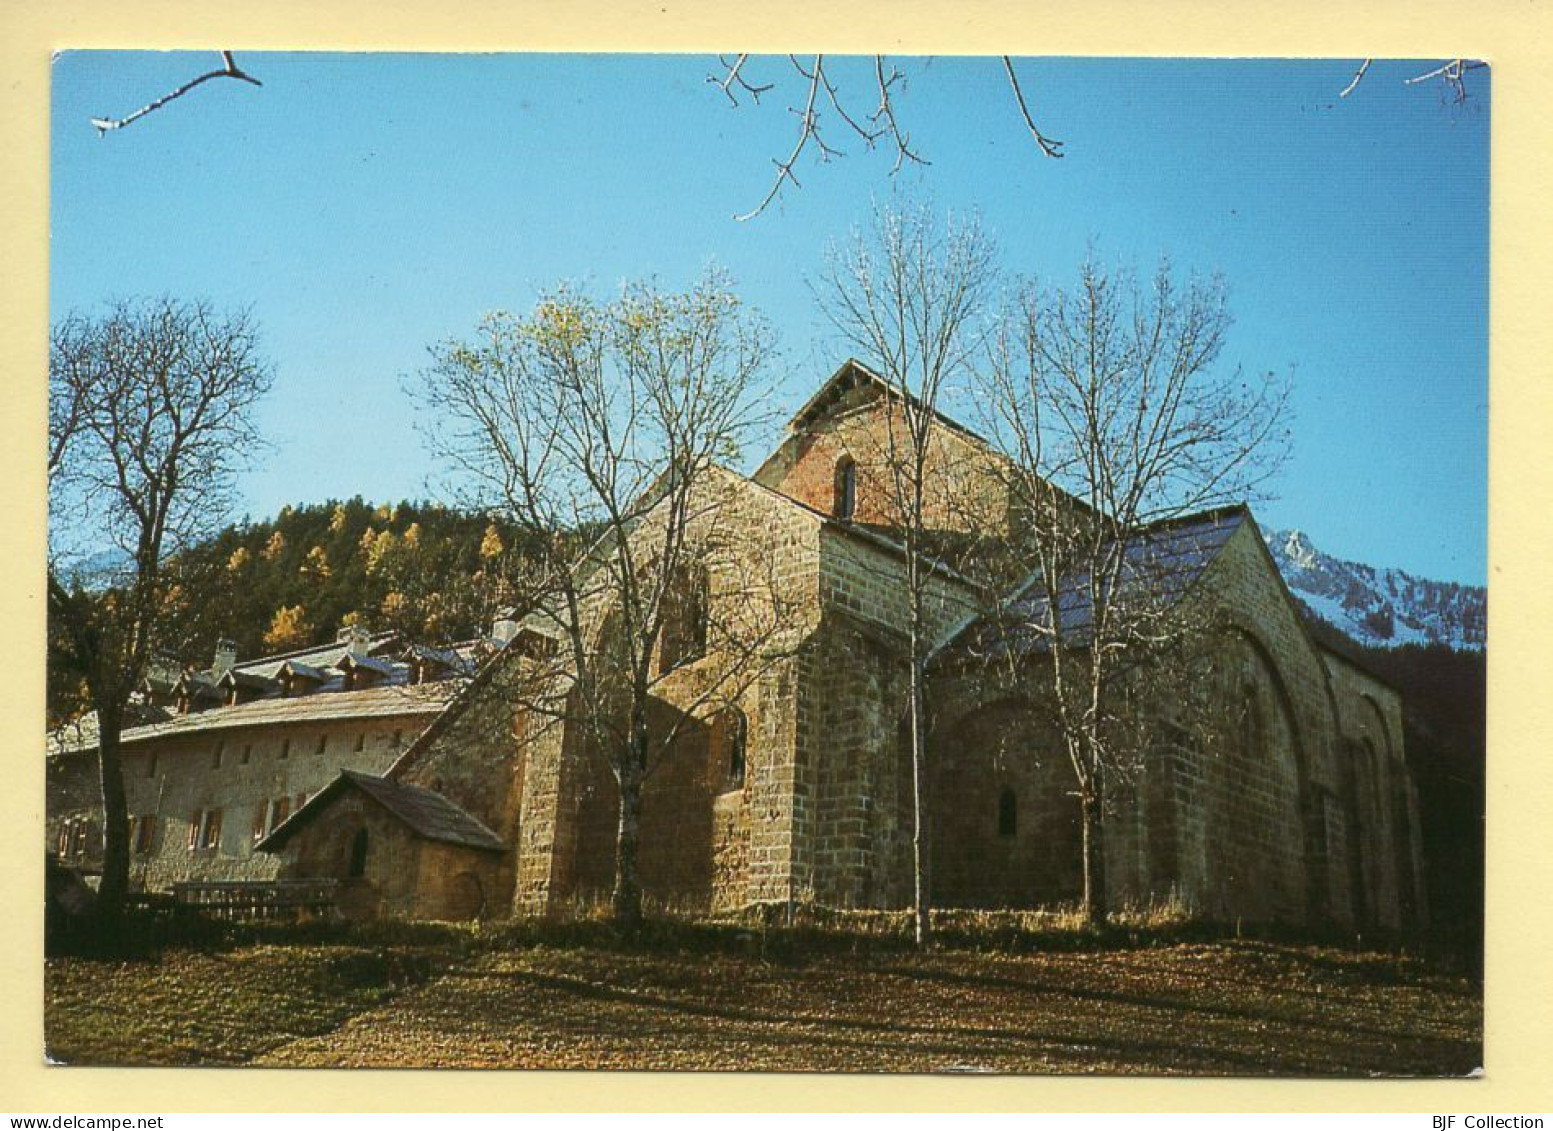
pixel 419 699
pixel 370 663
pixel 428 815
pixel 306 671
pixel 1161 563
pixel 322 656
pixel 246 679
pixel 326 699
pixel 448 657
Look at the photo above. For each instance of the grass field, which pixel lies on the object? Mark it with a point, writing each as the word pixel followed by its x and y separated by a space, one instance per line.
pixel 461 999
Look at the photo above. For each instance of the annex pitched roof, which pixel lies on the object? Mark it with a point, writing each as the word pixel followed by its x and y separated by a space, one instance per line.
pixel 428 815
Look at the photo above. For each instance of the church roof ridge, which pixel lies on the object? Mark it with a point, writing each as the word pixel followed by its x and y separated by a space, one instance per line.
pixel 835 385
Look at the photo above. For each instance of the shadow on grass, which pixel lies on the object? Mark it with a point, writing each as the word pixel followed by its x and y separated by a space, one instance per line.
pixel 652 1018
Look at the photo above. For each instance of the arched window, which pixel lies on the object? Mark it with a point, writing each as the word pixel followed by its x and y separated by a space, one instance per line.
pixel 846 488
pixel 358 861
pixel 1008 813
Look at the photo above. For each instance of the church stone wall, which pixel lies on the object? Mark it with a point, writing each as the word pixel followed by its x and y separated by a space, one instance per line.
pixel 1286 817
pixel 707 843
pixel 853 786
pixel 1006 828
pixel 1382 802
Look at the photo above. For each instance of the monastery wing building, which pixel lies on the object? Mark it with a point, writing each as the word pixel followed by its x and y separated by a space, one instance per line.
pixel 798 790
pixel 222 756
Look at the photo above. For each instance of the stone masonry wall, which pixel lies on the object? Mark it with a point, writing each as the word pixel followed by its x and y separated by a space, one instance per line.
pixel 1381 802
pixel 1006 827
pixel 476 759
pixel 852 788
pixel 388 885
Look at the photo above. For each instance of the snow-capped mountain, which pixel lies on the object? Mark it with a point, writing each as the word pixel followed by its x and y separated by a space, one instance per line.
pixel 97 569
pixel 1380 607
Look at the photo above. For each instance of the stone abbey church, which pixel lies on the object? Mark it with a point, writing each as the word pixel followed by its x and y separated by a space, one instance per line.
pixel 409 777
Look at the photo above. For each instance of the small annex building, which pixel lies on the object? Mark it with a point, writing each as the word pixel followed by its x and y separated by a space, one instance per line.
pixel 407 851
pixel 799 791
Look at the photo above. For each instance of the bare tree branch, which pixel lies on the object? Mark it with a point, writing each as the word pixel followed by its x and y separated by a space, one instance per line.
pixel 1357 78
pixel 1119 425
pixel 229 70
pixel 149 419
pixel 908 298
pixel 886 110
pixel 1048 146
pixel 733 76
pixel 805 132
pixel 882 121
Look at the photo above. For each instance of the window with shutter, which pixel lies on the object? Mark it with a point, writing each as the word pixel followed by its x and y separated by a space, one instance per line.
pixel 212 831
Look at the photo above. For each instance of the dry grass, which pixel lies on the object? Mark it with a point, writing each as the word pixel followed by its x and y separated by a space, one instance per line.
pixel 730 999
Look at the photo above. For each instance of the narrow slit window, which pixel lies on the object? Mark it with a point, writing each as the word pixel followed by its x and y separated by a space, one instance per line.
pixel 358 860
pixel 735 743
pixel 1008 814
pixel 846 488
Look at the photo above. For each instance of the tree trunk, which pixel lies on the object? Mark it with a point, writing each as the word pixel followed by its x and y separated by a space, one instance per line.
pixel 1094 852
pixel 919 845
pixel 626 905
pixel 115 815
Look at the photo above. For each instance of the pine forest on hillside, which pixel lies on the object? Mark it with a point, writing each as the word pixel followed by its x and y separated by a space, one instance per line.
pixel 430 573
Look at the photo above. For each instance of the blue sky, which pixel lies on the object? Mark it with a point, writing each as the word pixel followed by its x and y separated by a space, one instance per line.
pixel 367 205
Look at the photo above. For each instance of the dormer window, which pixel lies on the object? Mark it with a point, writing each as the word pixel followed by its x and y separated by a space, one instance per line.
pixel 846 489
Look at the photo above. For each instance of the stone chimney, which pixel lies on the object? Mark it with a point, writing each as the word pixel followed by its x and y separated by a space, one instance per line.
pixel 504 628
pixel 226 657
pixel 356 638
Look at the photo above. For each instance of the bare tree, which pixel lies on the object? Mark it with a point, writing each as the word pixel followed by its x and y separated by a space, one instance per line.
pixel 1119 421
pixel 821 96
pixel 598 430
pixel 907 297
pixel 229 70
pixel 149 420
